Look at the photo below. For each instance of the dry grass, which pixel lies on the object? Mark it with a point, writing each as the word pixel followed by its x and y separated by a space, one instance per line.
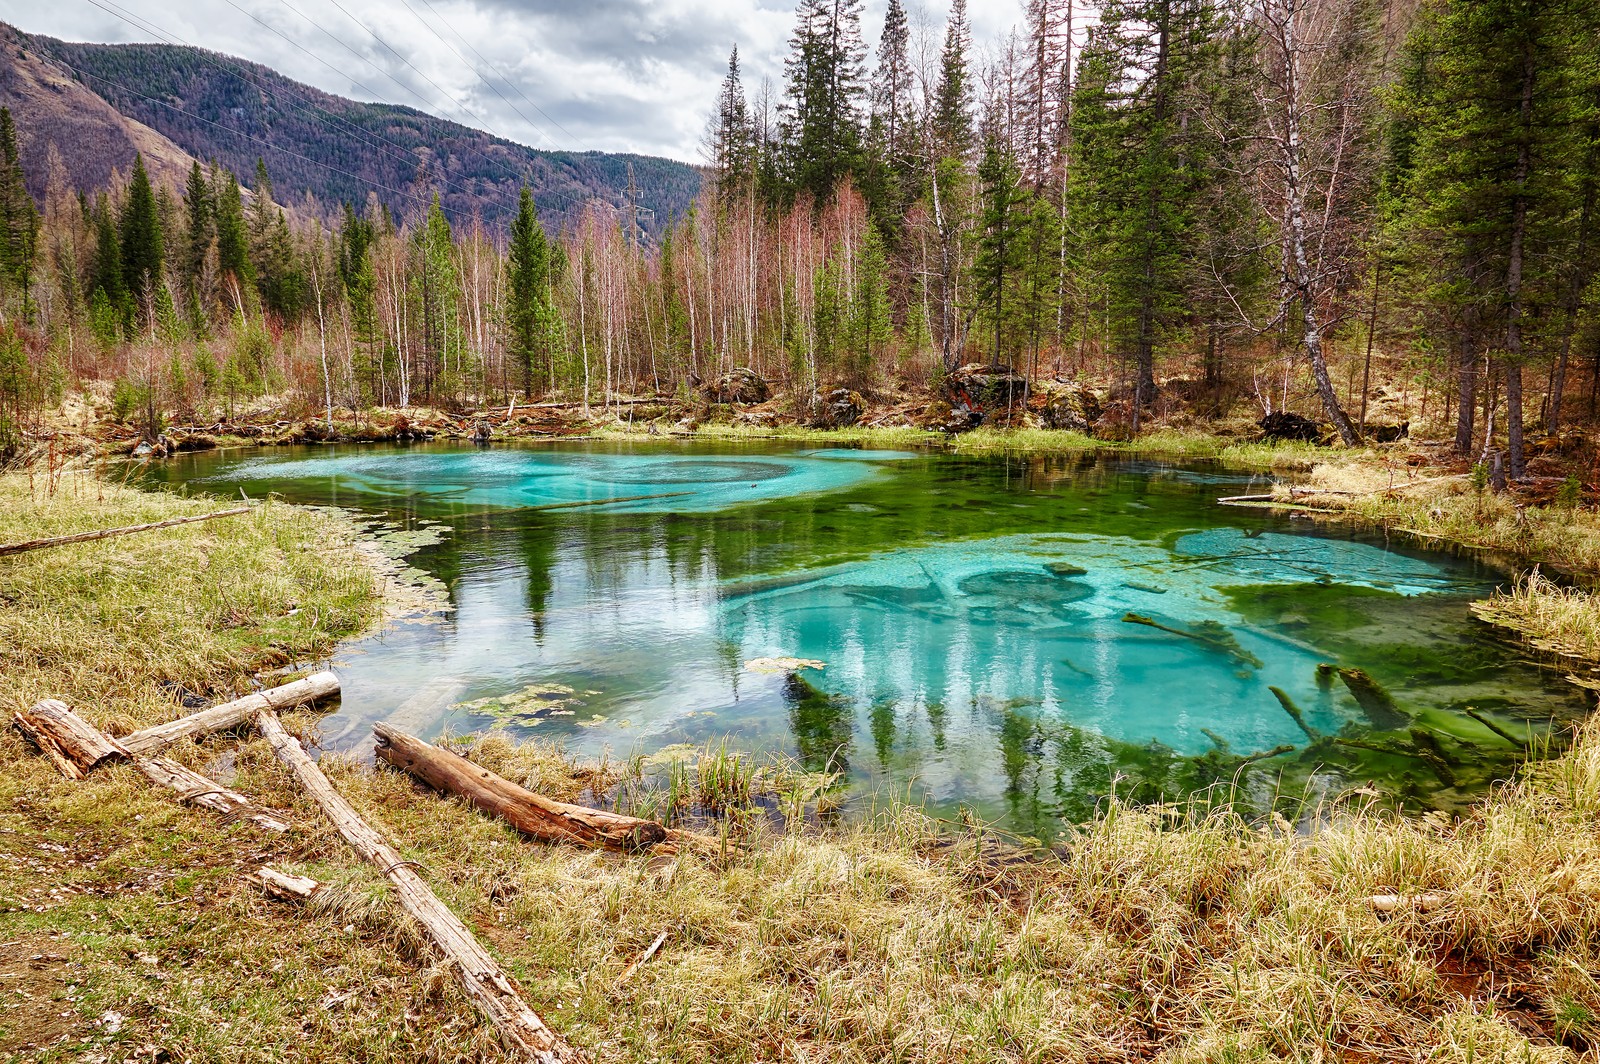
pixel 1554 618
pixel 1151 935
pixel 1451 508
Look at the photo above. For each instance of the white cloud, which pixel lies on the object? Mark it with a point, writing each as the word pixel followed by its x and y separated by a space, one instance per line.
pixel 610 75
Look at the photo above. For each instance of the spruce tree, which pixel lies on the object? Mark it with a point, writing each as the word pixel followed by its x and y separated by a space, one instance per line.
pixel 233 241
pixel 1000 245
pixel 1498 157
pixel 200 230
pixel 952 99
pixel 527 297
pixel 732 139
pixel 139 235
pixel 19 218
pixel 825 86
pixel 893 174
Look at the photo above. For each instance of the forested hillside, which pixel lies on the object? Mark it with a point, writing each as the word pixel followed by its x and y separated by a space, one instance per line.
pixel 1191 206
pixel 217 107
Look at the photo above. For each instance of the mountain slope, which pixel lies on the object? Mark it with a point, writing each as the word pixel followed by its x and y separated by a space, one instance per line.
pixel 215 106
pixel 91 137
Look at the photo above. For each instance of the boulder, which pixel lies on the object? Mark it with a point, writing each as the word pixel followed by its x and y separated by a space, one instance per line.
pixel 1069 406
pixel 738 386
pixel 986 389
pixel 838 408
pixel 1389 433
pixel 941 416
pixel 1286 426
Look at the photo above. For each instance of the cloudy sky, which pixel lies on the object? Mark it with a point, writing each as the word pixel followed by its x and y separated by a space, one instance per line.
pixel 616 75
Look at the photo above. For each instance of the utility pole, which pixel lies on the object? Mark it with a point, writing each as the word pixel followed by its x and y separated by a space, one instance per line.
pixel 633 210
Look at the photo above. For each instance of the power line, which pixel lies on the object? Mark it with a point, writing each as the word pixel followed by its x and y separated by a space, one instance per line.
pixel 308 107
pixel 254 140
pixel 459 105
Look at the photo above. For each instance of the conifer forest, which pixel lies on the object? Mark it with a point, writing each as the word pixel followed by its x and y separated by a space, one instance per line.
pixel 1236 203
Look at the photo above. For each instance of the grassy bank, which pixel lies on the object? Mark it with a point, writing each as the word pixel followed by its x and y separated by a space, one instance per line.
pixel 1176 444
pixel 128 929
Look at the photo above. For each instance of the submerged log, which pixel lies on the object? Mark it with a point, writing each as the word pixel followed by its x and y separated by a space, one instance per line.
pixel 1210 633
pixel 480 975
pixel 193 787
pixel 75 745
pixel 1374 701
pixel 105 533
pixel 232 714
pixel 534 814
pixel 1492 726
pixel 1294 712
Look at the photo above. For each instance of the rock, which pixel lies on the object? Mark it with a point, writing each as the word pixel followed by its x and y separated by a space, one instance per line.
pixel 986 389
pixel 838 408
pixel 482 432
pixel 738 386
pixel 1069 406
pixel 1286 426
pixel 782 666
pixel 942 417
pixel 1390 433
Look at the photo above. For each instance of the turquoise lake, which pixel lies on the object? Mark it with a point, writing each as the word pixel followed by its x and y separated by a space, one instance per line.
pixel 1022 636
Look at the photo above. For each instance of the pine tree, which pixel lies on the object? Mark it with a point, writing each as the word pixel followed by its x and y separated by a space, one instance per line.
pixel 952 100
pixel 1000 244
pixel 200 230
pixel 19 218
pixel 528 299
pixel 1498 154
pixel 732 140
pixel 822 109
pixel 139 236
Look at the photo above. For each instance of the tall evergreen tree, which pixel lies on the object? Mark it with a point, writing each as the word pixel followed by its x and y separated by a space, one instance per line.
pixel 139 235
pixel 1498 156
pixel 825 86
pixel 1001 247
pixel 233 240
pixel 19 217
pixel 528 298
pixel 732 139
pixel 894 175
pixel 200 230
pixel 952 99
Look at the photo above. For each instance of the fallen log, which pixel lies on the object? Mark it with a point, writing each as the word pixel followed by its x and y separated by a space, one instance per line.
pixel 284 886
pixel 193 787
pixel 534 814
pixel 1492 726
pixel 1263 497
pixel 104 533
pixel 232 714
pixel 1380 710
pixel 1294 712
pixel 480 975
pixel 75 745
pixel 602 502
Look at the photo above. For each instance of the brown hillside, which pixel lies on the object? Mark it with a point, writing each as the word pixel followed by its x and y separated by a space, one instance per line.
pixel 50 107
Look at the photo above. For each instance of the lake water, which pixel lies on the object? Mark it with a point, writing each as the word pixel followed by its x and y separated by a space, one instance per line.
pixel 1018 635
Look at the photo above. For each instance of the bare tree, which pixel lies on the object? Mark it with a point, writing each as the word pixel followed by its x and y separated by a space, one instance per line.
pixel 1315 162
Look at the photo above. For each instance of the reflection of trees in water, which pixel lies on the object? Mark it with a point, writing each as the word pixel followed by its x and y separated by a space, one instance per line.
pixel 882 723
pixel 821 724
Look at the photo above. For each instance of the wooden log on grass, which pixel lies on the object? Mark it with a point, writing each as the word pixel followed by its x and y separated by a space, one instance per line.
pixel 534 814
pixel 75 745
pixel 480 975
pixel 106 533
pixel 284 886
pixel 195 788
pixel 146 741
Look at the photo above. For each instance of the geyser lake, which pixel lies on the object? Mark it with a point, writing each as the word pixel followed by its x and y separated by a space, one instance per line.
pixel 1022 636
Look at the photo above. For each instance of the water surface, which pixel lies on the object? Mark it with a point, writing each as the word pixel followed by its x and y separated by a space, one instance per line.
pixel 1021 636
